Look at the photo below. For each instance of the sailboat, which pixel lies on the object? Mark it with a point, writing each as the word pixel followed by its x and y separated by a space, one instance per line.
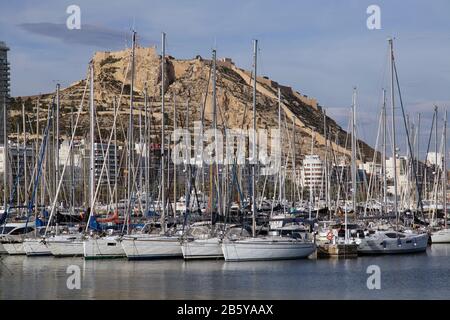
pixel 34 244
pixel 345 248
pixel 36 247
pixel 71 244
pixel 393 242
pixel 272 247
pixel 15 241
pixel 202 241
pixel 154 246
pixel 96 246
pixel 103 247
pixel 443 235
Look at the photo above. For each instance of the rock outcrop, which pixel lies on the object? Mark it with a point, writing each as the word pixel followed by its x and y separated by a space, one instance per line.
pixel 190 81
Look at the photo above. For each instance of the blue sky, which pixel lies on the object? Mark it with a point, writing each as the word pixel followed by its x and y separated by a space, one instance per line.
pixel 321 48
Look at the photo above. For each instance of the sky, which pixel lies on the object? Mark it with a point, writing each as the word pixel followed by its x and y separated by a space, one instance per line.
pixel 321 48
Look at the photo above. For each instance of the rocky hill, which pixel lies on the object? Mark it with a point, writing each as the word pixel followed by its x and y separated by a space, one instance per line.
pixel 187 80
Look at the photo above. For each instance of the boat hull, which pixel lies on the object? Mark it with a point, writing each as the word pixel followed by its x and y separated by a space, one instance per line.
pixel 36 248
pixel 103 248
pixel 202 249
pixel 151 247
pixel 66 248
pixel 413 244
pixel 254 249
pixel 441 236
pixel 14 248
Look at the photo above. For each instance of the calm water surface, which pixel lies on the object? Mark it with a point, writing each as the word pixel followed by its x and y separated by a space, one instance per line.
pixel 418 276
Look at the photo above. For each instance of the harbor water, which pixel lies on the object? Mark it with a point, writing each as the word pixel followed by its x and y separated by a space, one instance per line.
pixel 415 276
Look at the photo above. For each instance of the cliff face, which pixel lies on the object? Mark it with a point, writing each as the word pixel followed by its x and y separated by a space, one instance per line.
pixel 189 81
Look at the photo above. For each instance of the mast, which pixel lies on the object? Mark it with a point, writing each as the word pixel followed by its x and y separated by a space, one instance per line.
pixel 25 155
pixel 18 162
pixel 326 159
pixel 36 210
pixel 311 196
pixel 188 164
pixel 141 157
pixel 294 187
pixel 5 156
pixel 354 187
pixel 417 148
pixel 214 105
pixel 383 166
pixel 163 182
pixel 146 165
pixel 391 45
pixel 44 170
pixel 72 173
pixel 281 144
pixel 131 137
pixel 174 164
pixel 116 196
pixel 255 57
pixel 92 141
pixel 444 171
pixel 57 135
pixel 436 141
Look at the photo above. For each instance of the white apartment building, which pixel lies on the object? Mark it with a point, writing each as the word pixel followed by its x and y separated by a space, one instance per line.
pixel 402 174
pixel 64 154
pixel 312 171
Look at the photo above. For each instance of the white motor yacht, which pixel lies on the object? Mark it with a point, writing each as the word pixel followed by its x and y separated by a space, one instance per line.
pixel 13 234
pixel 393 242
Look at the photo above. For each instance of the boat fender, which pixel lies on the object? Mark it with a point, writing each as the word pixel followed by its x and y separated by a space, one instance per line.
pixel 330 235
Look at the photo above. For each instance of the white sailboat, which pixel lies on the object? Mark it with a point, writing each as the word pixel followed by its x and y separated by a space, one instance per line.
pixel 346 247
pixel 443 236
pixel 151 246
pixel 208 248
pixel 201 243
pixel 270 247
pixel 71 245
pixel 36 247
pixel 393 242
pixel 66 245
pixel 14 248
pixel 266 248
pixel 103 247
